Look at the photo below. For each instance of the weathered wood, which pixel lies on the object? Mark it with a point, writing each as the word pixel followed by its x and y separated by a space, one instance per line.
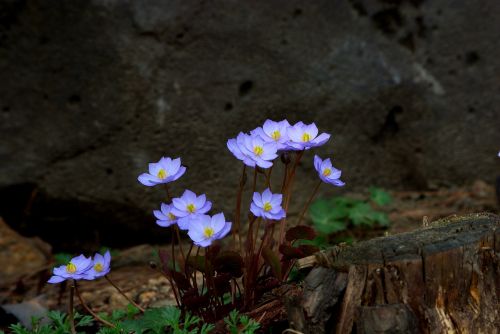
pixel 443 278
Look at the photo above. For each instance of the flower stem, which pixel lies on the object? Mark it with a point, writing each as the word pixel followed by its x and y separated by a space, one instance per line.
pixel 88 309
pixel 237 214
pixel 285 175
pixel 309 202
pixel 268 178
pixel 254 180
pixel 70 309
pixel 288 190
pixel 123 294
pixel 176 228
pixel 169 198
pixel 187 259
pixel 172 285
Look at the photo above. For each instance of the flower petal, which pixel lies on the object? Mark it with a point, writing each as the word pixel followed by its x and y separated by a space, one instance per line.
pixel 148 180
pixel 257 199
pixel 56 279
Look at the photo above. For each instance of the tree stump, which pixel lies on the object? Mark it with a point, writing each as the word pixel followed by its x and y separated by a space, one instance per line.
pixel 443 278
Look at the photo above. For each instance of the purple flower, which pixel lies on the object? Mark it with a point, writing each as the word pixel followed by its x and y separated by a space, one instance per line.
pixel 253 150
pixel 188 206
pixel 304 136
pixel 272 131
pixel 100 266
pixel 165 216
pixel 267 205
pixel 205 229
pixel 327 173
pixel 75 269
pixel 164 171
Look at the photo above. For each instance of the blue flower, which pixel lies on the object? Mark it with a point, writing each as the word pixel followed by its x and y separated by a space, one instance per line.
pixel 253 150
pixel 327 173
pixel 205 229
pixel 100 267
pixel 305 136
pixel 188 206
pixel 164 216
pixel 276 132
pixel 76 269
pixel 164 171
pixel 267 205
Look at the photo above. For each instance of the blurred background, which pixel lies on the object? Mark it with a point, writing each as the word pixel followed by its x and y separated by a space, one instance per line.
pixel 92 91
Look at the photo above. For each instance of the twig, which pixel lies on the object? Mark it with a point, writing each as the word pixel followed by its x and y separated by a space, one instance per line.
pixel 88 309
pixel 309 201
pixel 123 294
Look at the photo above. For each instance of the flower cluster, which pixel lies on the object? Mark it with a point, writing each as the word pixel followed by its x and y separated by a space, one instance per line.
pixel 260 147
pixel 82 267
pixel 187 212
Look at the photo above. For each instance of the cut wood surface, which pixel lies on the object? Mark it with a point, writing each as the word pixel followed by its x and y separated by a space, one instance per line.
pixel 443 278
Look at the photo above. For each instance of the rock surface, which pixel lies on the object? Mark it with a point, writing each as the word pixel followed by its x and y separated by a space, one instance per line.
pixel 91 91
pixel 20 256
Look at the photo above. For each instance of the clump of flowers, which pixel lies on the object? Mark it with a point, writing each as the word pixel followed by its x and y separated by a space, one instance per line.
pixel 263 248
pixel 218 273
pixel 86 268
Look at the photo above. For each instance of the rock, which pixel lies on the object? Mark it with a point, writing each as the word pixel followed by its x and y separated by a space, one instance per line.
pixel 19 256
pixel 26 310
pixel 94 90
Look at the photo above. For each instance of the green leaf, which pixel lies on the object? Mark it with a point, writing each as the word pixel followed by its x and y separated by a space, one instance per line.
pixel 380 196
pixel 330 216
pixel 381 218
pixel 320 241
pixel 62 258
pixel 362 214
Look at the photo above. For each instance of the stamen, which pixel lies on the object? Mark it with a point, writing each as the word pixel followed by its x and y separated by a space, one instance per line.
pixel 268 206
pixel 258 150
pixel 162 174
pixel 327 172
pixel 276 135
pixel 306 137
pixel 98 267
pixel 70 268
pixel 171 216
pixel 191 208
pixel 208 232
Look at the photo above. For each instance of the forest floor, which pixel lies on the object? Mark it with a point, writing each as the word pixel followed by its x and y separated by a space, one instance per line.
pixel 131 268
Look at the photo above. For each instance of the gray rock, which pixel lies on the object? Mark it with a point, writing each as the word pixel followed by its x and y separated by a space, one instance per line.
pixel 91 91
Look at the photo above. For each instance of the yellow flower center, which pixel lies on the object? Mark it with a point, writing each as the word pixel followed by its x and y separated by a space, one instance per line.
pixel 191 208
pixel 306 137
pixel 70 268
pixel 162 174
pixel 276 135
pixel 98 267
pixel 208 232
pixel 258 150
pixel 327 172
pixel 171 216
pixel 267 206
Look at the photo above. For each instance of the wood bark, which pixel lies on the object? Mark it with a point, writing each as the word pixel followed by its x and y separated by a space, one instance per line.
pixel 443 278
